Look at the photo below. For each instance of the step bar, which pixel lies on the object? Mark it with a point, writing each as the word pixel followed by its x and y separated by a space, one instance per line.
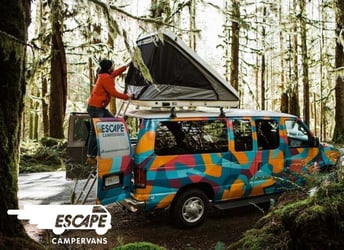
pixel 246 202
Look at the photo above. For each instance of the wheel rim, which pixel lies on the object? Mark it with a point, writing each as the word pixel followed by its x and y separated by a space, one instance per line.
pixel 193 209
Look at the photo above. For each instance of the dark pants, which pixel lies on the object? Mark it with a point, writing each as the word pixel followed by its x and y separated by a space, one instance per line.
pixel 92 140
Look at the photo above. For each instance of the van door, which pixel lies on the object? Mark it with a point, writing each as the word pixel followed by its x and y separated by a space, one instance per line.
pixel 114 160
pixel 301 154
pixel 240 164
pixel 269 159
pixel 257 155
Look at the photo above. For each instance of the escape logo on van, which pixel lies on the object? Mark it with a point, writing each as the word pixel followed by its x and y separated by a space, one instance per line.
pixel 112 129
pixel 59 218
pixel 109 132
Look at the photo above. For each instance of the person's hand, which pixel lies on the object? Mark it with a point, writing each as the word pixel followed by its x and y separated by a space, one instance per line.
pixel 130 96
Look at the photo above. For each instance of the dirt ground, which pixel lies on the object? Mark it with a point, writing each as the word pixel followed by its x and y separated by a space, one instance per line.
pixel 220 226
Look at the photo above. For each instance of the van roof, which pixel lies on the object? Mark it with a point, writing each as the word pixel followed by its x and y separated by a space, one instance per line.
pixel 203 112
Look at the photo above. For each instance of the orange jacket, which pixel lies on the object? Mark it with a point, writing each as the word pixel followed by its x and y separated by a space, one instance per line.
pixel 105 88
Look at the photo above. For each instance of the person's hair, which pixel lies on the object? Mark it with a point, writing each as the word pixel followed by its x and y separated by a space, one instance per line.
pixel 105 65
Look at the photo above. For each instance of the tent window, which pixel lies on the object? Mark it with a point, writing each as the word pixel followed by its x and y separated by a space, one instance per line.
pixel 191 137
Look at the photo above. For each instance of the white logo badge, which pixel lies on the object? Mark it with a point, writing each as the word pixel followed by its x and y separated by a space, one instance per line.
pixel 62 217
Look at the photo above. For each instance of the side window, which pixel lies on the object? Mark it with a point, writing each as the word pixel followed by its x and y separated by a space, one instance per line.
pixel 190 137
pixel 242 135
pixel 297 134
pixel 267 134
pixel 133 124
pixel 81 129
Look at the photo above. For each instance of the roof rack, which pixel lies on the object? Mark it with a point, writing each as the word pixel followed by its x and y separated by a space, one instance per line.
pixel 174 104
pixel 186 103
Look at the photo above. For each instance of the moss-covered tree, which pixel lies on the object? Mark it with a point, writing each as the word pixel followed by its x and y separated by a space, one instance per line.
pixel 338 135
pixel 58 84
pixel 14 20
pixel 234 78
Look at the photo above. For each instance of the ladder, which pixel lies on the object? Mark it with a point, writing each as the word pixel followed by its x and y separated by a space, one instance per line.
pixel 88 186
pixel 123 108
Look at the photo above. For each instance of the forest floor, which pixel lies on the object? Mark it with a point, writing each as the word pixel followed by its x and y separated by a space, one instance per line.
pixel 220 228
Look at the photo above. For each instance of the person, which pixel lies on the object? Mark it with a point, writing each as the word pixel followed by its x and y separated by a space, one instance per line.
pixel 99 99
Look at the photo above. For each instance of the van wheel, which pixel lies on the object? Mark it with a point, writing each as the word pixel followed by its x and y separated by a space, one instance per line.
pixel 190 208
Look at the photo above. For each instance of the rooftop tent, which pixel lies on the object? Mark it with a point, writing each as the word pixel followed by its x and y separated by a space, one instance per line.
pixel 179 75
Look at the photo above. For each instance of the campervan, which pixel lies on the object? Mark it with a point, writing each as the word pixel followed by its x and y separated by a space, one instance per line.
pixel 184 160
pixel 193 146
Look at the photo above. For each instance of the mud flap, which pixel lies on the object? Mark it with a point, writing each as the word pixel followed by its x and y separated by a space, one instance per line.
pixel 114 160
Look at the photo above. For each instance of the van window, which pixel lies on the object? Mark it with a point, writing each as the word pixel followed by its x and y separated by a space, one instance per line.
pixel 297 134
pixel 267 134
pixel 189 137
pixel 81 129
pixel 133 125
pixel 242 135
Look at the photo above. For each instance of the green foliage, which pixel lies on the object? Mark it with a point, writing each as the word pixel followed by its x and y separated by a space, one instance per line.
pixel 220 245
pixel 338 135
pixel 10 45
pixel 139 64
pixel 301 221
pixel 139 245
pixel 133 126
pixel 46 155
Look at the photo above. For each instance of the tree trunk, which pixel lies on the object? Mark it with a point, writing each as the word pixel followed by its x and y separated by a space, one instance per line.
pixel 284 102
pixel 322 119
pixel 110 42
pixel 256 80
pixel 235 44
pixel 58 85
pixel 31 120
pixel 294 107
pixel 226 42
pixel 284 95
pixel 36 116
pixel 305 77
pixel 45 106
pixel 263 64
pixel 338 135
pixel 262 82
pixel 14 20
pixel 192 35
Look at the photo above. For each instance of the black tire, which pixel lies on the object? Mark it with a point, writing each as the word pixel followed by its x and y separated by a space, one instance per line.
pixel 190 208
